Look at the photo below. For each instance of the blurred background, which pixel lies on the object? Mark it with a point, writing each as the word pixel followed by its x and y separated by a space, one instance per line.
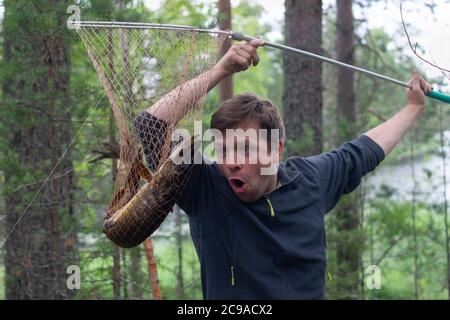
pixel 387 240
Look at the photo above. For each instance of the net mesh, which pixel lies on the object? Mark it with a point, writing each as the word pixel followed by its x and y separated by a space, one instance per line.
pixel 138 67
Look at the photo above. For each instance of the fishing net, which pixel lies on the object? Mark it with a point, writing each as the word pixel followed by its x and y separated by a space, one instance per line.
pixel 138 64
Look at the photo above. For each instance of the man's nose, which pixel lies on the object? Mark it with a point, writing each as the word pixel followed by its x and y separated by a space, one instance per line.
pixel 234 166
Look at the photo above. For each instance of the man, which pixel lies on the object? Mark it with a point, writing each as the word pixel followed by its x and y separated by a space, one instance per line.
pixel 262 236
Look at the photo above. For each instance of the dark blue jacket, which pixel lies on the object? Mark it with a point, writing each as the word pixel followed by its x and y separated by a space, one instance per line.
pixel 274 248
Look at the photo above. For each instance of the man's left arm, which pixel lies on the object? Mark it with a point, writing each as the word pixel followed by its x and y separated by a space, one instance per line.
pixel 341 170
pixel 388 134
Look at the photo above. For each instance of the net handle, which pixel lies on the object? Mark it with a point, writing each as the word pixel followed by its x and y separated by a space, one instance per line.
pixel 141 25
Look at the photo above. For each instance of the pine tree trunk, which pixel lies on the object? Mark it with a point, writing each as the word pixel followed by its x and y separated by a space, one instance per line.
pixel 302 96
pixel 136 275
pixel 124 274
pixel 179 241
pixel 347 219
pixel 152 269
pixel 116 274
pixel 37 99
pixel 226 85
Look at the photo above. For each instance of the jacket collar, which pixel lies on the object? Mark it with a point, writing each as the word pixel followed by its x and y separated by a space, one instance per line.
pixel 286 175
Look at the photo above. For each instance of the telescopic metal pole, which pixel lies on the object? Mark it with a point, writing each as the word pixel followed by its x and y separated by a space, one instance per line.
pixel 239 36
pixel 433 94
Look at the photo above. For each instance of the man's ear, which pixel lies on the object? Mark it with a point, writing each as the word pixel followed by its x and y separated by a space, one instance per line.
pixel 280 149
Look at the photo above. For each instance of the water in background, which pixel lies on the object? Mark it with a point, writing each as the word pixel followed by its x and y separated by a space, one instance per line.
pixel 428 171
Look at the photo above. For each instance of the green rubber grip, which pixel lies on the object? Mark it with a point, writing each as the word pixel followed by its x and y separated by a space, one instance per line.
pixel 439 96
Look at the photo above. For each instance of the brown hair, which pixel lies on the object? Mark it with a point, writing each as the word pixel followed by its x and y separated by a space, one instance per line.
pixel 246 107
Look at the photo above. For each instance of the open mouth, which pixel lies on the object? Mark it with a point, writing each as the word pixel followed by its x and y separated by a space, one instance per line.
pixel 237 184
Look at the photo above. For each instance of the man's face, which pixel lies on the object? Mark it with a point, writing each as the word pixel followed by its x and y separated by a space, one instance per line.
pixel 249 179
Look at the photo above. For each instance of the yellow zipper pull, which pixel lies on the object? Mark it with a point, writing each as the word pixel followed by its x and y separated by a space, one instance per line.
pixel 232 276
pixel 272 211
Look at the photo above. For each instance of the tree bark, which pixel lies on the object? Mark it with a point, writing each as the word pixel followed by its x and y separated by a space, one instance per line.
pixel 302 93
pixel 152 269
pixel 179 241
pixel 346 109
pixel 226 85
pixel 116 273
pixel 348 243
pixel 136 275
pixel 37 100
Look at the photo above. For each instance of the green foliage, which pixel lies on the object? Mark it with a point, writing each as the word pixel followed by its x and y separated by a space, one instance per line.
pixel 167 257
pixel 264 80
pixel 388 233
pixel 387 227
pixel 305 142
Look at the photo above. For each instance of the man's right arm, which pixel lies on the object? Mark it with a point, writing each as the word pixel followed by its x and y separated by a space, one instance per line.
pixel 152 124
pixel 174 105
